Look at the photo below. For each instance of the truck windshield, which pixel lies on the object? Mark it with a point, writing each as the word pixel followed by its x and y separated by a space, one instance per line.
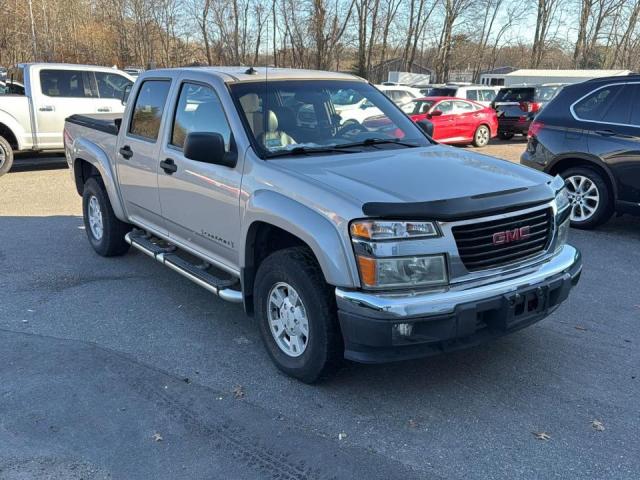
pixel 297 117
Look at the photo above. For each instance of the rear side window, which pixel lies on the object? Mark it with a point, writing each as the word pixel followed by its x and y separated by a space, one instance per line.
pixel 486 95
pixel 545 94
pixel 515 95
pixel 111 85
pixel 199 110
pixel 635 112
pixel 608 104
pixel 65 83
pixel 147 113
pixel 473 95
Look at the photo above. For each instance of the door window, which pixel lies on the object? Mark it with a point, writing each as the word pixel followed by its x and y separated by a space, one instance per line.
pixel 147 113
pixel 607 104
pixel 199 110
pixel 111 85
pixel 487 95
pixel 635 112
pixel 65 83
pixel 445 107
pixel 473 95
pixel 462 107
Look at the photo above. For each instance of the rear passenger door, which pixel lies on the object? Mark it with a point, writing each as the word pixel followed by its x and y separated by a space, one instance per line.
pixel 612 125
pixel 200 201
pixel 137 155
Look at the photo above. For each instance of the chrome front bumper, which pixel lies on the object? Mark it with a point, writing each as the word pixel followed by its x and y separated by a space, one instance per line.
pixel 398 306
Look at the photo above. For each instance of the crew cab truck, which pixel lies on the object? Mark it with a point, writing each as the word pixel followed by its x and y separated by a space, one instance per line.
pixel 342 240
pixel 37 97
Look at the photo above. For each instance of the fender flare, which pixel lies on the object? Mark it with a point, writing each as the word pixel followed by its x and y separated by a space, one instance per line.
pixel 318 232
pixel 84 150
pixel 14 127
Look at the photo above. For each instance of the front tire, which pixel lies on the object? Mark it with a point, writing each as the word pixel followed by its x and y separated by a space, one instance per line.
pixel 590 197
pixel 6 156
pixel 296 314
pixel 104 230
pixel 481 136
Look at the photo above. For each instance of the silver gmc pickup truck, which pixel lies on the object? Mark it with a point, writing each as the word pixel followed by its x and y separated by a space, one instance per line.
pixel 350 239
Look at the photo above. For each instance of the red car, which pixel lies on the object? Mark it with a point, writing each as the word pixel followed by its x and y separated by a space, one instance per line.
pixel 455 120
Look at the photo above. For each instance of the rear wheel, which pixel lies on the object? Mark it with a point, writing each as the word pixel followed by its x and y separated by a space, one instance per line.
pixel 590 197
pixel 104 230
pixel 505 135
pixel 296 315
pixel 6 156
pixel 482 136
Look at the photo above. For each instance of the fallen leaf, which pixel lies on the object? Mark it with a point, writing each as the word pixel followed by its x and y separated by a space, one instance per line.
pixel 238 391
pixel 412 423
pixel 597 425
pixel 581 328
pixel 342 436
pixel 186 380
pixel 542 435
pixel 157 437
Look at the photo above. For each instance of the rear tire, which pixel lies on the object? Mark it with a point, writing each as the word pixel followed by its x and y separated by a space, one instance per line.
pixel 104 230
pixel 481 136
pixel 6 156
pixel 505 135
pixel 296 314
pixel 590 195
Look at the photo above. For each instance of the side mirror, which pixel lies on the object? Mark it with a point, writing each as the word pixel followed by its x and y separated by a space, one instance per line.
pixel 426 126
pixel 125 93
pixel 435 113
pixel 208 147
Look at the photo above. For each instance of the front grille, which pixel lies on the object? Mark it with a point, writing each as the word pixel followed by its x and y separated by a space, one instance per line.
pixel 478 251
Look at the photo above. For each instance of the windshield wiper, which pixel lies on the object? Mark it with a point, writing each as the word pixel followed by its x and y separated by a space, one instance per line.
pixel 309 151
pixel 377 141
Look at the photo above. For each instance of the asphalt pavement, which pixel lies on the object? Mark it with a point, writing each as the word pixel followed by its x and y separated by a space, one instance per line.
pixel 120 368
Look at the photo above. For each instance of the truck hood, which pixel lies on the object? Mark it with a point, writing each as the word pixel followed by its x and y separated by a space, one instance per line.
pixel 417 175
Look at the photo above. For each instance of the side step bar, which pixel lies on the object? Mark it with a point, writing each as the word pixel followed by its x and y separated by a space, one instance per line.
pixel 196 273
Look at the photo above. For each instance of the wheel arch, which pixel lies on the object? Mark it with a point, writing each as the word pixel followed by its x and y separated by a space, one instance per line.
pixel 90 160
pixel 272 222
pixel 570 161
pixel 9 135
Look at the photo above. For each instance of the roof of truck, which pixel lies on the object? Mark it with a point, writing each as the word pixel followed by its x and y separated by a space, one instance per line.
pixel 252 74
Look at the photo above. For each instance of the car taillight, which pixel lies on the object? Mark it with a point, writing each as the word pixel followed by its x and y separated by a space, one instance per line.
pixel 529 107
pixel 534 128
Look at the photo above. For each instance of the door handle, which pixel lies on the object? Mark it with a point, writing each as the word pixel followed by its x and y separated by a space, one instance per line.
pixel 168 166
pixel 47 108
pixel 104 109
pixel 126 152
pixel 606 133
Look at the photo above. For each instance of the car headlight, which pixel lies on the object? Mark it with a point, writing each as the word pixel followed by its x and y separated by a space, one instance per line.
pixel 563 233
pixel 389 230
pixel 399 271
pixel 562 199
pixel 402 271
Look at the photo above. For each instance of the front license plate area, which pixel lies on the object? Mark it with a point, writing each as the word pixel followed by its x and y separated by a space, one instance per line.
pixel 525 304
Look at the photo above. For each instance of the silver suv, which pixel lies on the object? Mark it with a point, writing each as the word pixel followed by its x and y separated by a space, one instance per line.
pixel 364 240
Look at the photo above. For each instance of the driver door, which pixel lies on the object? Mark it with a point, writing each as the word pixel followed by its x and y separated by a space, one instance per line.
pixel 443 125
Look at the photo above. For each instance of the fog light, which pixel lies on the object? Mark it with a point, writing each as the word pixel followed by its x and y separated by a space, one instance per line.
pixel 403 329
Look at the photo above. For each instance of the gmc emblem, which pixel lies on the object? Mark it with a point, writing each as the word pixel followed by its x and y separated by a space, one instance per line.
pixel 508 236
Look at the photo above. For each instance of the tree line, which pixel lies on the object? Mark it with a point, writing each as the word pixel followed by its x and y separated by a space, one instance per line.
pixel 348 35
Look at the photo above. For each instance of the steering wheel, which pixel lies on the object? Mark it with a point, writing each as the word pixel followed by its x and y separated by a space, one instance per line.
pixel 349 128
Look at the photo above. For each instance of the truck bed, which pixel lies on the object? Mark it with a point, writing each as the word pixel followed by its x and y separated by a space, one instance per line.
pixel 104 122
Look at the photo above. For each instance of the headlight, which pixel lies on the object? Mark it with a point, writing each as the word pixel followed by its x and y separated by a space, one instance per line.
pixel 387 230
pixel 402 271
pixel 562 199
pixel 563 234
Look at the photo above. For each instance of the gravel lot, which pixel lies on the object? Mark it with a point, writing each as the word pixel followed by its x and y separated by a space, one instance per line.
pixel 119 368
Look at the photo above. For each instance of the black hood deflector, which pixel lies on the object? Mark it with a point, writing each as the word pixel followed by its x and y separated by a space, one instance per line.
pixel 464 207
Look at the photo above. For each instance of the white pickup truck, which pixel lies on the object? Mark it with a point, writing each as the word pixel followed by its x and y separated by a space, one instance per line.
pixel 39 96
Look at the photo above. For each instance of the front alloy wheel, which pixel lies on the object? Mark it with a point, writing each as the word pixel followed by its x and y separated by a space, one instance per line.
pixel 482 136
pixel 95 217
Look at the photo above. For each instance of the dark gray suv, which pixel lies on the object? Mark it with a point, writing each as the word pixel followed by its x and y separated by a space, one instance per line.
pixel 590 134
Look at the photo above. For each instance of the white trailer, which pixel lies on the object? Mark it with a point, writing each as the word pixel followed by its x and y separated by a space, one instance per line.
pixel 409 78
